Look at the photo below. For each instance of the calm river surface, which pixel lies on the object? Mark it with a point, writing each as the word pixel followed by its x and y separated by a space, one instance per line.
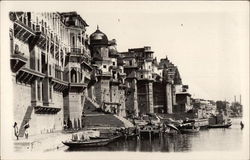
pixel 229 139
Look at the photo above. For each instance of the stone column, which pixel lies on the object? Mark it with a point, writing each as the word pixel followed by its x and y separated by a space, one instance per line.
pixel 134 86
pixel 150 97
pixel 169 105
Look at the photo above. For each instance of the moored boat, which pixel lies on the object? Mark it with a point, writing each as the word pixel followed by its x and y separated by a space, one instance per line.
pixel 189 126
pixel 190 129
pixel 92 142
pixel 220 125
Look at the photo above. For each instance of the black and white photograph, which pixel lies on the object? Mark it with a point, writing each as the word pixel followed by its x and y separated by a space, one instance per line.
pixel 125 80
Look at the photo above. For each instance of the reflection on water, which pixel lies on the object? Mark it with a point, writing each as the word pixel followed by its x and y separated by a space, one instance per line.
pixel 206 140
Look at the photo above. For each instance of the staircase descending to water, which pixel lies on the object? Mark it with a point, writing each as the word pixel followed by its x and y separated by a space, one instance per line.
pixel 90 106
pixel 104 120
pixel 26 119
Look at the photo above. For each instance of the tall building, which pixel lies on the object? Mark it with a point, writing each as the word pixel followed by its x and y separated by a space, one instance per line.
pixel 138 67
pixel 60 74
pixel 110 85
pixel 50 69
pixel 77 70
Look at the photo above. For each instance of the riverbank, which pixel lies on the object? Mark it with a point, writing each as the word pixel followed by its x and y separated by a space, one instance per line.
pixel 41 143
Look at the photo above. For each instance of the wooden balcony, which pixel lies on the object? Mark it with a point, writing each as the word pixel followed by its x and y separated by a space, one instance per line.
pixel 26 75
pixel 46 110
pixel 77 87
pixel 59 85
pixel 32 36
pixel 17 61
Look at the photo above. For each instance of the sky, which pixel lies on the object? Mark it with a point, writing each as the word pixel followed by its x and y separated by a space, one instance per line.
pixel 208 41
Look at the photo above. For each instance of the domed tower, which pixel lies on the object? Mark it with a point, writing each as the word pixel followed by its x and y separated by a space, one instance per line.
pixel 110 86
pixel 98 45
pixel 101 63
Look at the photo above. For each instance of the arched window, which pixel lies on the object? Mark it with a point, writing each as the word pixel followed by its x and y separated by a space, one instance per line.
pixel 73 76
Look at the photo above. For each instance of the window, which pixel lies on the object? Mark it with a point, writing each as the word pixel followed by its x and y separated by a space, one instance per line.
pixel 38 65
pixel 38 91
pixel 73 41
pixel 130 62
pixel 49 69
pixel 142 76
pixel 113 63
pixel 104 66
pixel 50 92
pixel 149 67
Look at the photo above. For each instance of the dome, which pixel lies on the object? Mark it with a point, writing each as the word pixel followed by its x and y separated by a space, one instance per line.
pixel 98 37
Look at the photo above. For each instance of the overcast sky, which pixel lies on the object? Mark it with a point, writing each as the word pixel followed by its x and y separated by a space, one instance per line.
pixel 208 41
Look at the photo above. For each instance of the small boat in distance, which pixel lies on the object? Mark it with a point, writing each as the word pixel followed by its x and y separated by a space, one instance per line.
pixel 220 125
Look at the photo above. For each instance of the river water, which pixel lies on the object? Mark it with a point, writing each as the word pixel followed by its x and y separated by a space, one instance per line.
pixel 229 139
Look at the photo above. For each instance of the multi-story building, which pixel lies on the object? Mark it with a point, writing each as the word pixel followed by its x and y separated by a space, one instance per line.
pixel 50 69
pixel 153 83
pixel 110 85
pixel 138 66
pixel 59 74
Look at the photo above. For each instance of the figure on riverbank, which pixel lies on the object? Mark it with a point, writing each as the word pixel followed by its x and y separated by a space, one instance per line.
pixel 241 125
pixel 26 132
pixel 16 130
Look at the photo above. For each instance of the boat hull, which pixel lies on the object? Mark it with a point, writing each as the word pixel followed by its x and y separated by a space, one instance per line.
pixel 220 126
pixel 90 143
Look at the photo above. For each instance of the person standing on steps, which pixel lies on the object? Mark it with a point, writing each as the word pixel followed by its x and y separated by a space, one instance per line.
pixel 26 128
pixel 16 130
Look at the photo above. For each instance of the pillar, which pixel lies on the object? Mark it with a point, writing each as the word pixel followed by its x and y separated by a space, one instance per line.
pixel 150 97
pixel 134 86
pixel 168 104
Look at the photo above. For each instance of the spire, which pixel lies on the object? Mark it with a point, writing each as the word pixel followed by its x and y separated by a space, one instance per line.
pixel 97 27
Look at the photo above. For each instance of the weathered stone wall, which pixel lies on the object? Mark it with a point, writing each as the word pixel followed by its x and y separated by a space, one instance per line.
pixel 39 123
pixel 115 95
pixel 102 91
pixel 75 108
pixel 22 99
pixel 122 102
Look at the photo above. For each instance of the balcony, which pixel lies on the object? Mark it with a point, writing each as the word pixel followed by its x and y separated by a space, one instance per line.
pixel 77 87
pixel 28 35
pixel 26 75
pixel 17 61
pixel 22 31
pixel 59 85
pixel 46 110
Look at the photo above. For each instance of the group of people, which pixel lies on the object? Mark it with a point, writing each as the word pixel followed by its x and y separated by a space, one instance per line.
pixel 26 130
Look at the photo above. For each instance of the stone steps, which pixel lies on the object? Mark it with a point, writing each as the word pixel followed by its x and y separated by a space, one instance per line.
pixel 105 120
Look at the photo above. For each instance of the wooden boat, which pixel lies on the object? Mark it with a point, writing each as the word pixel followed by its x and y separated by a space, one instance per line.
pixel 220 125
pixel 93 142
pixel 190 129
